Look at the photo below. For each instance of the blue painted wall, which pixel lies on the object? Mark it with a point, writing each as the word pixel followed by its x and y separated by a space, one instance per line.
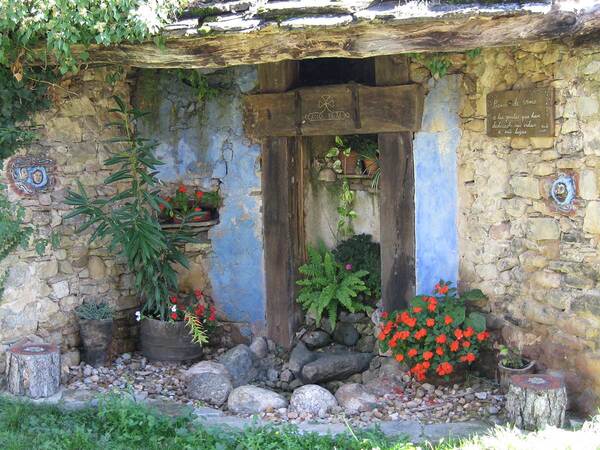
pixel 202 144
pixel 436 199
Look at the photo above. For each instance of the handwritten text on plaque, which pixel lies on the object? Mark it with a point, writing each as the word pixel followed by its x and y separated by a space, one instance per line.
pixel 521 113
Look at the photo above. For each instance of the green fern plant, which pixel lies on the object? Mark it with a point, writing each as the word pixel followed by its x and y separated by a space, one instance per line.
pixel 326 285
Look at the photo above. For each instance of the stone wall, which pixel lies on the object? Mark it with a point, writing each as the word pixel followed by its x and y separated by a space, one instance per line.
pixel 42 292
pixel 538 266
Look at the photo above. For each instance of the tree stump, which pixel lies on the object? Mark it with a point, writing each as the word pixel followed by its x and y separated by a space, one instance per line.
pixel 534 401
pixel 33 370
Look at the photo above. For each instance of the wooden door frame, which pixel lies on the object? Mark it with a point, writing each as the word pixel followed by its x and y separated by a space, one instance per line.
pixel 283 210
pixel 282 179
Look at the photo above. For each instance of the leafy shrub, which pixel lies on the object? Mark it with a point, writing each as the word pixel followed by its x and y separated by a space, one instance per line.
pixel 94 311
pixel 327 285
pixel 129 219
pixel 362 254
pixel 435 332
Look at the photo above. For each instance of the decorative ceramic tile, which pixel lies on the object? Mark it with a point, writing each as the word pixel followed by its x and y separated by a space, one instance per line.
pixel 562 192
pixel 30 175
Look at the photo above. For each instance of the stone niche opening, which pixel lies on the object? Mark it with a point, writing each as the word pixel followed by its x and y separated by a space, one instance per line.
pixel 323 187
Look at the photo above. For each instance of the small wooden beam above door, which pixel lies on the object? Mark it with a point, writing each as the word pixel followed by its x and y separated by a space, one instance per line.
pixel 334 110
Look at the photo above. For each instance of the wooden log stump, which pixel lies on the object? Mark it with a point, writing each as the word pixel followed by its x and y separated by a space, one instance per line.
pixel 33 370
pixel 534 401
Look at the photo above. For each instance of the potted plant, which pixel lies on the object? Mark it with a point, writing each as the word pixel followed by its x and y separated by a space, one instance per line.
pixel 96 329
pixel 180 337
pixel 342 158
pixel 435 337
pixel 129 222
pixel 511 362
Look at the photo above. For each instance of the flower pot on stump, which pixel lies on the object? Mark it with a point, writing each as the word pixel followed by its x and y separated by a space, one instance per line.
pixel 505 373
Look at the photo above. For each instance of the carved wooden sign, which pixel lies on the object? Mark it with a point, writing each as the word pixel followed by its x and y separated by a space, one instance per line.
pixel 521 113
pixel 339 109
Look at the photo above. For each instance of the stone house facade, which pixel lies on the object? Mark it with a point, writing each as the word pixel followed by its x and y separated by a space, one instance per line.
pixel 488 197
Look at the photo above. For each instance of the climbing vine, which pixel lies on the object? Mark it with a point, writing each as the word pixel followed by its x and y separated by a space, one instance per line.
pixel 40 40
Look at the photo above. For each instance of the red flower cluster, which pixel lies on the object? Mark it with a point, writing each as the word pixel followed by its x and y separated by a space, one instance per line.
pixel 434 333
pixel 184 206
pixel 198 306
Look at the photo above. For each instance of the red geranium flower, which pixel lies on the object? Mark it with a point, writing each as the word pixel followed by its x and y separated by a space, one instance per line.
pixel 482 336
pixel 454 346
pixel 399 357
pixel 441 289
pixel 199 195
pixel 412 352
pixel 469 332
pixel 466 344
pixel 430 322
pixel 417 309
pixel 173 300
pixel 427 355
pixel 381 336
pixel 404 334
pixel 174 316
pixel 448 320
pixel 182 189
pixel 439 351
pixel 458 333
pixel 420 334
pixel 384 315
pixel 425 364
pixel 440 339
pixel 444 368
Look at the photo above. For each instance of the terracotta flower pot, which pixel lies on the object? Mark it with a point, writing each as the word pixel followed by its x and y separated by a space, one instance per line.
pixel 96 336
pixel 507 372
pixel 371 166
pixel 349 163
pixel 168 341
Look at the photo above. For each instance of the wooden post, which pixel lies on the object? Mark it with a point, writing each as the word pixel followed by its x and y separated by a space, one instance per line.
pixel 281 220
pixel 33 370
pixel 534 401
pixel 397 202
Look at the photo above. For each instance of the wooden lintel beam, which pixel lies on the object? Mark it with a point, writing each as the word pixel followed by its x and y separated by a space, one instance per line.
pixel 359 39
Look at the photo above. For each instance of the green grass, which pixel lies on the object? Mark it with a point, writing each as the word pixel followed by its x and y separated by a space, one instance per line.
pixel 121 424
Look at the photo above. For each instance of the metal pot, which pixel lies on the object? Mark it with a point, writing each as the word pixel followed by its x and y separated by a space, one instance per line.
pixel 168 341
pixel 96 336
pixel 506 372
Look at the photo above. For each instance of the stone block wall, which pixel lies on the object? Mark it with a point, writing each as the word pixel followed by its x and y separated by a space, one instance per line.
pixel 42 292
pixel 538 266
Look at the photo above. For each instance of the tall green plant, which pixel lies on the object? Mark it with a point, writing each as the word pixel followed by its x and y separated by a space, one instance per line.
pixel 326 285
pixel 129 219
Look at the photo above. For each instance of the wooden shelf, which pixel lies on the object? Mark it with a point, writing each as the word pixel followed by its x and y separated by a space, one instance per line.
pixel 195 226
pixel 355 177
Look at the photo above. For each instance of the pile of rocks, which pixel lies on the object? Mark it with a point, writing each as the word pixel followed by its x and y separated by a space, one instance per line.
pixel 354 330
pixel 325 385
